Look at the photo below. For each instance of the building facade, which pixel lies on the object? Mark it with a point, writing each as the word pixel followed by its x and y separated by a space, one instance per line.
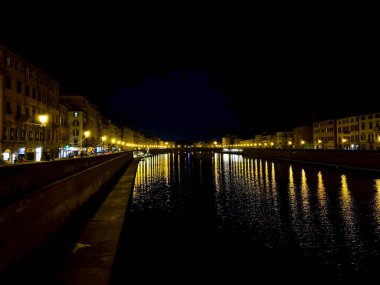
pixel 324 134
pixel 26 92
pixel 303 137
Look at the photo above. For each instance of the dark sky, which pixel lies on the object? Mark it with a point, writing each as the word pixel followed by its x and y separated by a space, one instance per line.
pixel 203 73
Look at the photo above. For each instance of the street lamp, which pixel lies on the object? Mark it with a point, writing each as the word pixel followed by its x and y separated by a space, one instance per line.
pixel 43 119
pixel 112 142
pixel 86 135
pixel 103 140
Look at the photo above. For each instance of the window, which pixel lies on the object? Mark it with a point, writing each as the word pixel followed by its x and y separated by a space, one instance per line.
pixel 76 123
pixel 22 135
pixel 30 135
pixel 75 133
pixel 18 111
pixel 19 89
pixel 8 109
pixel 370 125
pixel 76 115
pixel 8 82
pixel 34 93
pixel 75 142
pixel 27 90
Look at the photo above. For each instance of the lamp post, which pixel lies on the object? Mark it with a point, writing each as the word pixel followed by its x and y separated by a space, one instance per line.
pixel 103 140
pixel 43 119
pixel 86 135
pixel 112 142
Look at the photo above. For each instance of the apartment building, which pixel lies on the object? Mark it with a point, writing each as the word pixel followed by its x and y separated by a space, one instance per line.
pixel 26 92
pixel 324 134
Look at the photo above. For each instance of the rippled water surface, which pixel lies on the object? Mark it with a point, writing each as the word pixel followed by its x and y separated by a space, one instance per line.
pixel 225 215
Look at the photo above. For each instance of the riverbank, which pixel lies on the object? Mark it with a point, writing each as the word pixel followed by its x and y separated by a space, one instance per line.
pixel 360 160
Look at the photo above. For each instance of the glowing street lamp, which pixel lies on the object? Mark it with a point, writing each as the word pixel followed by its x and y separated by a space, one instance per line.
pixel 103 140
pixel 86 135
pixel 43 119
pixel 112 142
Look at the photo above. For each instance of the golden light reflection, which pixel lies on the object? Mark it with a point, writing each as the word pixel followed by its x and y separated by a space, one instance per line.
pixel 305 194
pixel 216 171
pixel 292 195
pixel 273 174
pixel 266 176
pixel 166 168
pixel 255 175
pixel 261 179
pixel 347 212
pixel 346 197
pixel 377 201
pixel 323 207
pixel 274 189
pixel 179 168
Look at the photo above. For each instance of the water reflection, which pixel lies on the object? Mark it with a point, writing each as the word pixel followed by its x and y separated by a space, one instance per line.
pixel 348 215
pixel 281 204
pixel 377 202
pixel 327 235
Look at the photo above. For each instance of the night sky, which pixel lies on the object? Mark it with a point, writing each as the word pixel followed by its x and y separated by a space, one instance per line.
pixel 203 73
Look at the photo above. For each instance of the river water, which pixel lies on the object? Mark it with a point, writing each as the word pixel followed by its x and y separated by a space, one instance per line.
pixel 218 216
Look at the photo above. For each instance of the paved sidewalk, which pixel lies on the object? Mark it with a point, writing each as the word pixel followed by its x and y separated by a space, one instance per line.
pixel 92 258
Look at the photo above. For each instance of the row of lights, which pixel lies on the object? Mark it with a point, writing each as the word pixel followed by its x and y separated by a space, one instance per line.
pixel 256 144
pixel 44 119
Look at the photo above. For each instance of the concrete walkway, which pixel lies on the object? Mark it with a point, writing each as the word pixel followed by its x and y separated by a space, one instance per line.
pixel 92 258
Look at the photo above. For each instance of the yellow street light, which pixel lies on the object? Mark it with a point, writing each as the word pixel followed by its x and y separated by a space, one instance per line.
pixel 86 135
pixel 302 142
pixel 43 119
pixel 104 138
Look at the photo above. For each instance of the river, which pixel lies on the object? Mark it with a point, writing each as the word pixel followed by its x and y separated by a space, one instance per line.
pixel 218 216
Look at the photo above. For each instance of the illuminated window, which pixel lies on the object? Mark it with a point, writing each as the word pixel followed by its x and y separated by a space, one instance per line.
pixel 76 114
